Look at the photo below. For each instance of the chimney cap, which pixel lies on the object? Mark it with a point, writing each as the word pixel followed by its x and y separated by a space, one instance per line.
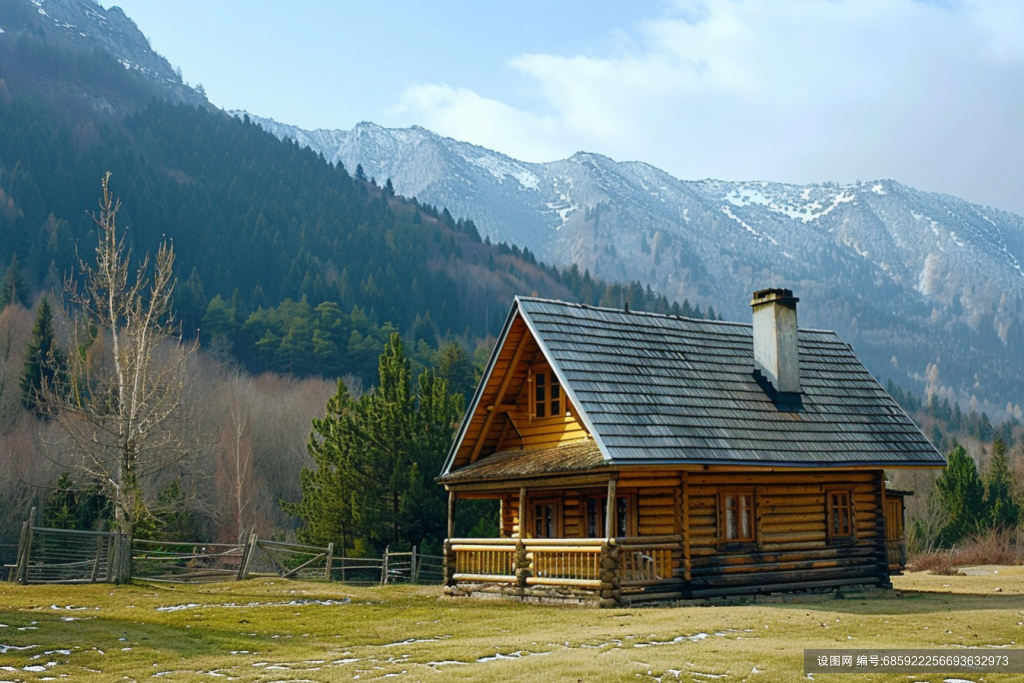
pixel 774 295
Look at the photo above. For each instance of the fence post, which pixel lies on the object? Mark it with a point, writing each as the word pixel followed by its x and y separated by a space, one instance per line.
pixel 330 558
pixel 343 562
pixel 96 564
pixel 414 567
pixel 16 572
pixel 384 566
pixel 27 555
pixel 247 553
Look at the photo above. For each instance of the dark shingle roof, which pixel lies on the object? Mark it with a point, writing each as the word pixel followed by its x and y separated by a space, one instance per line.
pixel 660 389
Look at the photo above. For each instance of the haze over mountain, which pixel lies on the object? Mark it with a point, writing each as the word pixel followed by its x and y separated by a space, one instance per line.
pixel 927 287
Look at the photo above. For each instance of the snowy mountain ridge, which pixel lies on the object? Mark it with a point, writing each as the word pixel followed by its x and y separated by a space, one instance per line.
pixel 929 288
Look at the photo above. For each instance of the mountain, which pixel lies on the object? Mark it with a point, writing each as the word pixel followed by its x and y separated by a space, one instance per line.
pixel 91 59
pixel 927 287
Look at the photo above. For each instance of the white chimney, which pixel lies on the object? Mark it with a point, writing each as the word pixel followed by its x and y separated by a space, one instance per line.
pixel 776 352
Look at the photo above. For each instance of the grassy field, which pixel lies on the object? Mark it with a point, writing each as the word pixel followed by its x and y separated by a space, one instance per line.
pixel 266 630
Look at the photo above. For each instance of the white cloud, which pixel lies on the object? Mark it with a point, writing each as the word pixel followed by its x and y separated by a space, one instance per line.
pixel 794 90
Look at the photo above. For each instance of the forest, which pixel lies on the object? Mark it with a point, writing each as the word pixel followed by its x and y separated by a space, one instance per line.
pixel 290 274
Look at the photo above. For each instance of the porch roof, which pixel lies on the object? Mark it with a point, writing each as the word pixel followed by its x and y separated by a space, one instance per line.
pixel 578 456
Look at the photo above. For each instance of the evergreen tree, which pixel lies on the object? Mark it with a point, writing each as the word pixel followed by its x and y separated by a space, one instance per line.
pixel 13 289
pixel 44 361
pixel 1002 505
pixel 69 506
pixel 961 498
pixel 376 458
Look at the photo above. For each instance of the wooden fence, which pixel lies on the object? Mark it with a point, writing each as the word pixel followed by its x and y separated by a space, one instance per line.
pixel 67 556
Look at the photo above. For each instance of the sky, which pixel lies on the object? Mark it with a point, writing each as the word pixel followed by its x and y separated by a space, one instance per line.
pixel 929 93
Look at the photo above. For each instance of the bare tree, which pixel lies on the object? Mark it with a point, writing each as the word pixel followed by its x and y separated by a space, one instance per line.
pixel 123 405
pixel 236 481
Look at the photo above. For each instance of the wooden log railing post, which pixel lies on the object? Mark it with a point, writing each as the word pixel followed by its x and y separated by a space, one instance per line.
pixel 610 579
pixel 24 547
pixel 523 566
pixel 414 568
pixel 328 561
pixel 384 566
pixel 450 568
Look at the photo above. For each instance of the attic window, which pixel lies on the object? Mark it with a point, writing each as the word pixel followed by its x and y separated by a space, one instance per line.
pixel 547 395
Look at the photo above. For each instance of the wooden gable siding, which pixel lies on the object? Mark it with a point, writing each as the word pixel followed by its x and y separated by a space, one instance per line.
pixel 508 424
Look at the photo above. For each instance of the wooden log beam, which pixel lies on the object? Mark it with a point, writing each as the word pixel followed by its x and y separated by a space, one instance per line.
pixel 609 517
pixel 451 514
pixel 502 388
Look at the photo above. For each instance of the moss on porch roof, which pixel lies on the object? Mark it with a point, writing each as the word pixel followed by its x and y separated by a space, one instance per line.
pixel 579 456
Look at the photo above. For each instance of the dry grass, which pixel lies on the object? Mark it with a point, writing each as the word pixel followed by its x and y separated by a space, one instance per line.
pixel 265 630
pixel 990 547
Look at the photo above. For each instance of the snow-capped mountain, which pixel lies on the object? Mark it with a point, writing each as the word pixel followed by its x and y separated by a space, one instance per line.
pixel 99 42
pixel 927 287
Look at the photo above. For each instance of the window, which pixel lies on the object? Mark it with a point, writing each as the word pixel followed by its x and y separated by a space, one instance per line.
pixel 547 397
pixel 737 516
pixel 597 507
pixel 545 518
pixel 840 514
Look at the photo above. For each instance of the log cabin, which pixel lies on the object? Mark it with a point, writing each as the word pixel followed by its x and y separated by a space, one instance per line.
pixel 640 457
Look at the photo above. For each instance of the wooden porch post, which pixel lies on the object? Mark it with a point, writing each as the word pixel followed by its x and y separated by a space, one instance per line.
pixel 609 516
pixel 522 512
pixel 451 514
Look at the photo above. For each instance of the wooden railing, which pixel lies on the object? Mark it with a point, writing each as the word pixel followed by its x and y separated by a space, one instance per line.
pixel 646 561
pixel 577 562
pixel 485 559
pixel 565 562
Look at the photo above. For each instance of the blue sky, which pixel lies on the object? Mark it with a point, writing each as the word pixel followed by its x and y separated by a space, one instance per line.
pixel 927 93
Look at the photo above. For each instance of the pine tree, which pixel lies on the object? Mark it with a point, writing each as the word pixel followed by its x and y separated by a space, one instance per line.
pixel 376 458
pixel 13 289
pixel 961 498
pixel 1003 508
pixel 44 361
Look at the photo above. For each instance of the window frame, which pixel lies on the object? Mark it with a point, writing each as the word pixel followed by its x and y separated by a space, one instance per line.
pixel 830 516
pixel 601 502
pixel 723 527
pixel 549 374
pixel 556 504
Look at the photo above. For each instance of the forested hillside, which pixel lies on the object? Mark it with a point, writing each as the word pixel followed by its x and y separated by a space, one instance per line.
pixel 292 272
pixel 298 265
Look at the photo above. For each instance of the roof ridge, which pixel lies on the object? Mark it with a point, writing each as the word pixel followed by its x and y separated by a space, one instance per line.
pixel 668 316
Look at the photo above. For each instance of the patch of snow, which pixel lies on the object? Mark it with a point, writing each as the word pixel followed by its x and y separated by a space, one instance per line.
pixel 2 30
pixel 877 189
pixel 760 237
pixel 501 169
pixel 5 648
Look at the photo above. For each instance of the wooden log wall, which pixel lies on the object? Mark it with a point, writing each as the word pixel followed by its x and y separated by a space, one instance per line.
pixel 792 549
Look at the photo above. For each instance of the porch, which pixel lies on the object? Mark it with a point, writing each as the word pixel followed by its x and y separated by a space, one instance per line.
pixel 605 571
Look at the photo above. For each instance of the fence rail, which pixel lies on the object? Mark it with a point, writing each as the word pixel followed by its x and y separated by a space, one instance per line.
pixel 181 562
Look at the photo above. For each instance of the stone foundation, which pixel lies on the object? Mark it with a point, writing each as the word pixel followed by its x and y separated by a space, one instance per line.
pixel 551 595
pixel 562 595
